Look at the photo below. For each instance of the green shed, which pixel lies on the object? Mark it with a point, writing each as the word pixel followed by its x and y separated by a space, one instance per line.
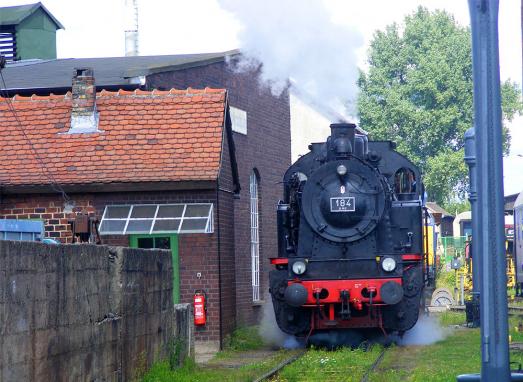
pixel 28 31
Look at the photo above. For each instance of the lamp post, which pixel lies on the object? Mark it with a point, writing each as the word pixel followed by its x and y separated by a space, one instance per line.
pixel 490 243
pixel 489 238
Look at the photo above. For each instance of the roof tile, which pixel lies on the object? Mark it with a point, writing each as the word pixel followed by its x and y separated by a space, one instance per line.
pixel 144 136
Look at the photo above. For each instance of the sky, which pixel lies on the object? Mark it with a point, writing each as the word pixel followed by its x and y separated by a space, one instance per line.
pixel 95 28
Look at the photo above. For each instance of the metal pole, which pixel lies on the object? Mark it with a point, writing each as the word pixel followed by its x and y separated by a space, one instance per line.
pixel 470 159
pixel 489 238
pixel 462 288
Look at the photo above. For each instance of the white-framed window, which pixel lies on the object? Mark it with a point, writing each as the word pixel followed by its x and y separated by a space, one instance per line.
pixel 255 238
pixel 157 218
pixel 238 120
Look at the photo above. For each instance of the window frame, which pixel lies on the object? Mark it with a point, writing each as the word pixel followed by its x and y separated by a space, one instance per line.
pixel 255 235
pixel 235 113
pixel 209 226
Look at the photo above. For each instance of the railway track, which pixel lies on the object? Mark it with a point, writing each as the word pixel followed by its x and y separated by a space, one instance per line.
pixel 374 366
pixel 273 372
pixel 512 310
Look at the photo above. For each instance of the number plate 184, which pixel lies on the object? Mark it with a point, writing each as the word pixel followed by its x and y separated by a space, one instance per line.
pixel 343 204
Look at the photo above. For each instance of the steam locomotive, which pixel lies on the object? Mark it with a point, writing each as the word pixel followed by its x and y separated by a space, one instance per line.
pixel 350 241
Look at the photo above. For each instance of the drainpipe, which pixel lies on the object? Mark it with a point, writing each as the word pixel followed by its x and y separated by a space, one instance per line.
pixel 218 223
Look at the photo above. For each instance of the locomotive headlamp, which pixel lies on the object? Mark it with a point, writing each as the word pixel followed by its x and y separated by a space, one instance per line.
pixel 299 267
pixel 341 170
pixel 388 264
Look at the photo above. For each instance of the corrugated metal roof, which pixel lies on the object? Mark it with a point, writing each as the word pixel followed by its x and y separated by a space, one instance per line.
pixel 519 200
pixel 511 200
pixel 108 71
pixel 434 207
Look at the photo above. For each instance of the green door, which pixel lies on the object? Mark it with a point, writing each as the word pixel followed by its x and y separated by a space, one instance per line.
pixel 162 241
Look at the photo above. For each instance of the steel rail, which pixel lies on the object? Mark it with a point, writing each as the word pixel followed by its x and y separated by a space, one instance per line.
pixel 513 310
pixel 374 366
pixel 281 365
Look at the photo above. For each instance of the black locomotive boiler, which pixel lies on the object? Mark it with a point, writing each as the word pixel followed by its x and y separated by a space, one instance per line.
pixel 351 253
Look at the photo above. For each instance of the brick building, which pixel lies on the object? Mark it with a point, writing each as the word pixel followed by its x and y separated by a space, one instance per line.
pixel 157 169
pixel 261 133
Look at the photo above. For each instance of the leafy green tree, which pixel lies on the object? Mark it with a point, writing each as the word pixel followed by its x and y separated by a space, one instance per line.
pixel 417 91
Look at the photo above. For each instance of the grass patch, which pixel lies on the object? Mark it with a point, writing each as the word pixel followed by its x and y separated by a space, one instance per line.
pixel 442 361
pixel 458 354
pixel 191 372
pixel 449 317
pixel 244 338
pixel 445 279
pixel 515 327
pixel 321 365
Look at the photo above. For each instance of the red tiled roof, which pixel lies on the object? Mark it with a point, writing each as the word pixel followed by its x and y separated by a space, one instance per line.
pixel 144 137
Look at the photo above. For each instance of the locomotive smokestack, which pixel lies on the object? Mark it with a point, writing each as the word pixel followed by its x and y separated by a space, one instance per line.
pixel 341 141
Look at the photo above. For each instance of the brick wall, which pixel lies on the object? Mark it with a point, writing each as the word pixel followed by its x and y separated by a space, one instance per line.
pixel 51 209
pixel 226 245
pixel 83 312
pixel 197 252
pixel 266 147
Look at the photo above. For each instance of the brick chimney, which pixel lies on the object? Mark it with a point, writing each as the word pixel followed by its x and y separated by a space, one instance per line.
pixel 84 117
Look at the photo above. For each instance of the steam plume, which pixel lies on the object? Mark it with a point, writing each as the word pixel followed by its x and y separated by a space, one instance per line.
pixel 297 41
pixel 271 333
pixel 426 331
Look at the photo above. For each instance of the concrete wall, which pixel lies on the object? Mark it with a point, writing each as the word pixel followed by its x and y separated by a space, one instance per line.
pixel 84 312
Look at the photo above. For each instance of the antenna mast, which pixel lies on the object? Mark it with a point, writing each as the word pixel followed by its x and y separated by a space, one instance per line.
pixel 131 27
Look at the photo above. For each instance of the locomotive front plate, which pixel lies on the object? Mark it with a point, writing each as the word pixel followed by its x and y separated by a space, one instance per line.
pixel 343 204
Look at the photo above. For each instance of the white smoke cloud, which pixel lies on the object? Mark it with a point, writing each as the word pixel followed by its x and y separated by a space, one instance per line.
pixel 271 333
pixel 426 331
pixel 297 41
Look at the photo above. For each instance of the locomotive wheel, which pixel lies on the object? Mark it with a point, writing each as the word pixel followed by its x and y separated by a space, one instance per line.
pixel 442 297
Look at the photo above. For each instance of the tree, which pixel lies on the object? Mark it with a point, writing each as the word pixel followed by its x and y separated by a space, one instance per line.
pixel 418 92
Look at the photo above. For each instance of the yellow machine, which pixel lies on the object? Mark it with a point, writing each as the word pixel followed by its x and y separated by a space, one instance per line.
pixel 465 271
pixel 429 239
pixel 456 256
pixel 429 249
pixel 511 268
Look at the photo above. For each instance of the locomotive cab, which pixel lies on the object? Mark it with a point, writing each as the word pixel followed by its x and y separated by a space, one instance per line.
pixel 350 238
